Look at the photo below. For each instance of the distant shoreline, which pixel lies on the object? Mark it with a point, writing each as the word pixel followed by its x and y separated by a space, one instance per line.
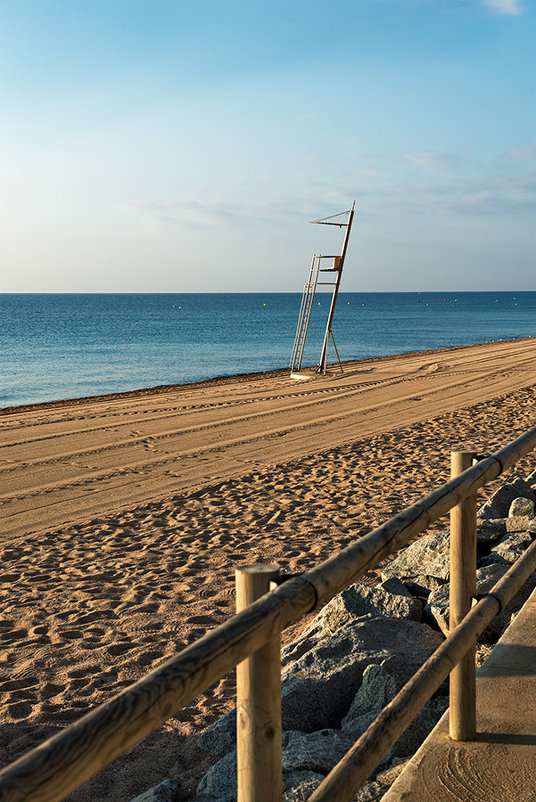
pixel 238 378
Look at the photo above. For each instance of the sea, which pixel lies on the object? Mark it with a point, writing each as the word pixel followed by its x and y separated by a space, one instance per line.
pixel 76 345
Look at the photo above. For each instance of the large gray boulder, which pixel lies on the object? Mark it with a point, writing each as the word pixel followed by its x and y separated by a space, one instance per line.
pixel 517 523
pixel 307 704
pixel 486 578
pixel 299 785
pixel 423 584
pixel 427 555
pixel 521 506
pixel 499 504
pixel 220 737
pixel 379 685
pixel 490 530
pixel 312 702
pixel 438 601
pixel 219 784
pixel 315 751
pixel 374 789
pixel 303 783
pixel 508 549
pixel 415 734
pixel 359 600
pixel 306 759
pixel 326 669
pixel 334 666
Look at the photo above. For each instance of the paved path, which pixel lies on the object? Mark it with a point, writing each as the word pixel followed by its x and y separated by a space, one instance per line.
pixel 500 766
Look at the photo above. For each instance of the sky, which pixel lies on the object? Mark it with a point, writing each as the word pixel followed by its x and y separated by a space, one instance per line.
pixel 173 146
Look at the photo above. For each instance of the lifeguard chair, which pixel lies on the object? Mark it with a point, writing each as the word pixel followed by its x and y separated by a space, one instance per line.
pixel 318 267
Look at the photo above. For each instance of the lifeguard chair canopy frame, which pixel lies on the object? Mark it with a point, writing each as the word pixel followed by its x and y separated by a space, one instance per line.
pixel 309 292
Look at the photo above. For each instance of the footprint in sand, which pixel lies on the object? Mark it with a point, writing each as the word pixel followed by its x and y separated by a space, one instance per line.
pixel 20 710
pixel 18 684
pixel 119 648
pixel 71 634
pixel 14 634
pixel 147 658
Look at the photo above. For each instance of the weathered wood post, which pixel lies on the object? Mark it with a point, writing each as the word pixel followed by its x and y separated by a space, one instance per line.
pixel 258 701
pixel 462 714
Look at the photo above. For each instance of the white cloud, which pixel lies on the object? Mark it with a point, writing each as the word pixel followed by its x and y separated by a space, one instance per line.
pixel 434 160
pixel 504 6
pixel 523 153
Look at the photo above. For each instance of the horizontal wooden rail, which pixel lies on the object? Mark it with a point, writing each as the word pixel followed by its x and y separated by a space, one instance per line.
pixel 369 750
pixel 61 764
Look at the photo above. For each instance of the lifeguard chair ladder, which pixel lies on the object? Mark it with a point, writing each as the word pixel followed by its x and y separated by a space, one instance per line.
pixel 309 292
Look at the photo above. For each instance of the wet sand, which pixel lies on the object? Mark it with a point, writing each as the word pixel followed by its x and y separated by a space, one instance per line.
pixel 124 517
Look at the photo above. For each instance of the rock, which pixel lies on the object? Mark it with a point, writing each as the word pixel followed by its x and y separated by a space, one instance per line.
pixel 423 584
pixel 315 751
pixel 482 653
pixel 371 791
pixel 299 785
pixel 492 634
pixel 307 704
pixel 394 585
pixel 492 559
pixel 499 504
pixel 438 601
pixel 486 578
pixel 306 759
pixel 219 783
pixel 166 791
pixel 359 600
pixel 336 664
pixel 374 790
pixel 409 742
pixel 509 549
pixel 489 530
pixel 379 685
pixel 311 703
pixel 419 729
pixel 427 555
pixel 518 523
pixel 220 737
pixel 521 506
pixel 309 637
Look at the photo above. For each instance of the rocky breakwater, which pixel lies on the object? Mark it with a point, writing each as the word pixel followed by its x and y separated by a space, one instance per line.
pixel 362 647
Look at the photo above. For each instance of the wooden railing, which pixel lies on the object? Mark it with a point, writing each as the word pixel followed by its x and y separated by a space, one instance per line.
pixel 61 764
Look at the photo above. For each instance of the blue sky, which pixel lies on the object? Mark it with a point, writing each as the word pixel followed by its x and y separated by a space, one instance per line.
pixel 162 145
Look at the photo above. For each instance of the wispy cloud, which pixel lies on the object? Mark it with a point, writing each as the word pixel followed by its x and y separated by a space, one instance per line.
pixel 493 196
pixel 510 7
pixel 434 160
pixel 444 182
pixel 448 183
pixel 215 213
pixel 522 153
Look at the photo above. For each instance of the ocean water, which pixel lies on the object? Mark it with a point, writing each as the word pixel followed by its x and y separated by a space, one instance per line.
pixel 68 346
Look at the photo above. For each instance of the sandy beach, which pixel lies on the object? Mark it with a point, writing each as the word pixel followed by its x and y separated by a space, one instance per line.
pixel 123 518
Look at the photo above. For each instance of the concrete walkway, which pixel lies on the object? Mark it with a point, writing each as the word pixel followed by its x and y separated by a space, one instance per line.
pixel 500 766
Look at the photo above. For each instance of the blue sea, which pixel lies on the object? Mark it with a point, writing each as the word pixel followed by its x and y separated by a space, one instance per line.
pixel 69 346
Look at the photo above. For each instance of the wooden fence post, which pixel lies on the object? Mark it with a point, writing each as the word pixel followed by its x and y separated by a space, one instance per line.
pixel 462 714
pixel 258 701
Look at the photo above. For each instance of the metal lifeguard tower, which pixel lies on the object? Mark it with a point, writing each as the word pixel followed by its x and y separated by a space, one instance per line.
pixel 309 291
